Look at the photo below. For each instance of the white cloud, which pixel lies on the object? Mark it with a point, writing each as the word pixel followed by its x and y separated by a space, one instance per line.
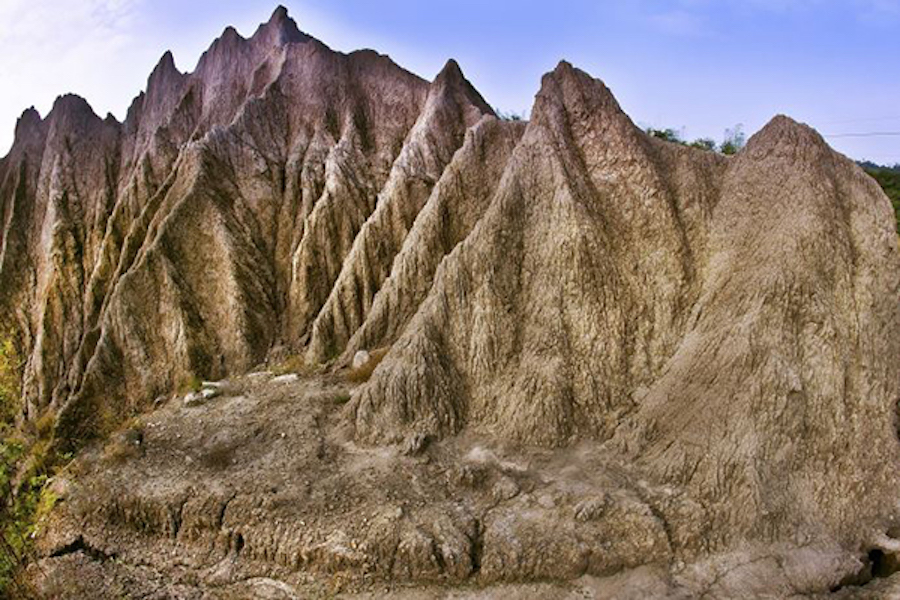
pixel 55 46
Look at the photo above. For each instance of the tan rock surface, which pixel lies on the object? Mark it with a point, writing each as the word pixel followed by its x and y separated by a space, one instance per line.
pixel 617 365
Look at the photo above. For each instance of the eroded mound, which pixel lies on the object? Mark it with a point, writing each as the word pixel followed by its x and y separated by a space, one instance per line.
pixel 603 351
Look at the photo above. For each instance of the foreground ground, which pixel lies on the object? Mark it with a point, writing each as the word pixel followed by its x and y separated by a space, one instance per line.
pixel 259 493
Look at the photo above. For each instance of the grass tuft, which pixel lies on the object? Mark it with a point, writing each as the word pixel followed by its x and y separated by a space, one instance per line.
pixel 294 364
pixel 363 373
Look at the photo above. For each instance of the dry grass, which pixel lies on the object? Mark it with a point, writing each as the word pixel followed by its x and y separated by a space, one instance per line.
pixel 292 364
pixel 118 451
pixel 189 383
pixel 43 427
pixel 341 399
pixel 362 374
pixel 126 444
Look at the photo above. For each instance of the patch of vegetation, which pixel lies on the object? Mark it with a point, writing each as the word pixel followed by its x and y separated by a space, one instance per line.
pixel 732 142
pixel 361 374
pixel 27 463
pixel 510 116
pixel 341 399
pixel 188 384
pixel 126 443
pixel 294 364
pixel 889 180
pixel 10 369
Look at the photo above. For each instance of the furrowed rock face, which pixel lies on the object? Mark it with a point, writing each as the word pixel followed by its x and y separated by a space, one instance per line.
pixel 571 293
pixel 719 333
pixel 203 230
pixel 704 315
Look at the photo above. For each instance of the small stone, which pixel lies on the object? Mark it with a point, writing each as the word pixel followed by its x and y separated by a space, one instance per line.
pixel 414 444
pixel 505 489
pixel 289 378
pixel 547 501
pixel 193 399
pixel 210 393
pixel 591 509
pixel 361 358
pixel 198 398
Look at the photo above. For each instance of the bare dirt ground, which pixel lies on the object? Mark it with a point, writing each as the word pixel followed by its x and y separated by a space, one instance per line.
pixel 259 493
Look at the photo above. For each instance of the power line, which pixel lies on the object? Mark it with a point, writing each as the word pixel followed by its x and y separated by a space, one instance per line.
pixel 859 120
pixel 865 134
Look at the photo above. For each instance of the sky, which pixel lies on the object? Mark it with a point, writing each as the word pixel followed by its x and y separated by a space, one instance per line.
pixel 697 66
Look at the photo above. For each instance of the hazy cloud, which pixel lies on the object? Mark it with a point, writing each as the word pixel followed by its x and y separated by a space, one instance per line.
pixel 54 46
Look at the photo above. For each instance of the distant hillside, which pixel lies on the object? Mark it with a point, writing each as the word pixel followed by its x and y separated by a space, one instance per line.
pixel 889 180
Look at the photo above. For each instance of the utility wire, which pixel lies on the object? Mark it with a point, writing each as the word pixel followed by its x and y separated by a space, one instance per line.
pixel 864 134
pixel 859 120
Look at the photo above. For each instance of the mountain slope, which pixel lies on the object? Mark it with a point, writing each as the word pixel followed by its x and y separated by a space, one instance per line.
pixel 605 352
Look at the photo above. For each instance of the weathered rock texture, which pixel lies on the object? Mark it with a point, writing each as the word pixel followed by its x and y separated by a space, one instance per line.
pixel 732 325
pixel 218 219
pixel 722 333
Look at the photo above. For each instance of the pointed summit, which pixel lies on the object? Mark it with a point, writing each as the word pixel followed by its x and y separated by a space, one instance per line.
pixel 280 29
pixel 166 63
pixel 279 14
pixel 28 123
pixel 574 91
pixel 784 136
pixel 451 79
pixel 29 117
pixel 451 70
pixel 165 71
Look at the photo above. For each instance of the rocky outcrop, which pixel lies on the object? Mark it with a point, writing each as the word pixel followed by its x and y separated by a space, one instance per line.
pixel 452 107
pixel 203 230
pixel 680 358
pixel 704 315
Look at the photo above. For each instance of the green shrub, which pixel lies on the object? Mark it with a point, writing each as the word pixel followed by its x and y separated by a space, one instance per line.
pixel 668 134
pixel 889 180
pixel 25 500
pixel 27 461
pixel 10 379
pixel 189 383
pixel 734 140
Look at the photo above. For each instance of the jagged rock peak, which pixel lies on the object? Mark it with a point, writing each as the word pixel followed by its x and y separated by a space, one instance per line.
pixel 451 72
pixel 165 66
pixel 571 84
pixel 28 122
pixel 785 136
pixel 71 107
pixel 451 78
pixel 278 31
pixel 281 29
pixel 165 76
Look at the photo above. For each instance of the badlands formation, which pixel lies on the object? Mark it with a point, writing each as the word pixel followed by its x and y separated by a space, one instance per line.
pixel 614 366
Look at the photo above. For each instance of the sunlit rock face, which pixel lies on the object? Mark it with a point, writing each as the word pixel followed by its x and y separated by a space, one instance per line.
pixel 621 352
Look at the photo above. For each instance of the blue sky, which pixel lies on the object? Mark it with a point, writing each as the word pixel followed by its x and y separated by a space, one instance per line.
pixel 697 65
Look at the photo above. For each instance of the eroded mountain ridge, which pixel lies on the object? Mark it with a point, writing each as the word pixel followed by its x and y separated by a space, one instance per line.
pixel 718 334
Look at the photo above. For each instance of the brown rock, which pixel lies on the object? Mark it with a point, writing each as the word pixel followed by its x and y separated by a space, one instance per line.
pixel 694 355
